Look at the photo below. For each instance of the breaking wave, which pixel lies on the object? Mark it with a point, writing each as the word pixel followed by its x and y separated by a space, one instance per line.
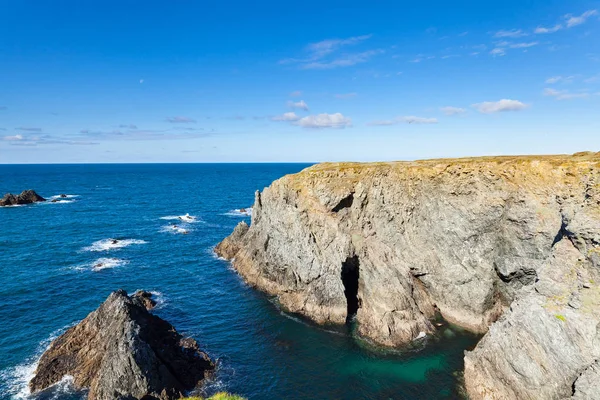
pixel 112 244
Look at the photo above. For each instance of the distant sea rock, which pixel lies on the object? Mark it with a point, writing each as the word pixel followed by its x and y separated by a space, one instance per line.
pixel 508 247
pixel 26 197
pixel 122 351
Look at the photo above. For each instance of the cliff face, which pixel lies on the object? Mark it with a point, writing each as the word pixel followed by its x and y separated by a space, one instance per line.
pixel 507 242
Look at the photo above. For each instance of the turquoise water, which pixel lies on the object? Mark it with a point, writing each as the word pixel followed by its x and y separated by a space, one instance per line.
pixel 48 282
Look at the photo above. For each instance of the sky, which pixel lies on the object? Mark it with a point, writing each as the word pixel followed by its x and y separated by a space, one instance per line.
pixel 238 81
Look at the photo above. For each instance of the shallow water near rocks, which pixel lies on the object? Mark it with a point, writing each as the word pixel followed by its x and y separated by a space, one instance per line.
pixel 57 264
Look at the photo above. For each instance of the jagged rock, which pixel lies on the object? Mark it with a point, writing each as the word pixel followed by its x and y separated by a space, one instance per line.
pixel 121 351
pixel 63 196
pixel 144 299
pixel 480 239
pixel 26 197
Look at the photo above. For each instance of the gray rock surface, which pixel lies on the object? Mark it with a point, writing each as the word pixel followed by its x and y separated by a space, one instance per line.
pixel 26 197
pixel 121 351
pixel 587 386
pixel 509 239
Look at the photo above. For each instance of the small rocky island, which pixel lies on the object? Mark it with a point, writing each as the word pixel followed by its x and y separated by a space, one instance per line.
pixel 122 351
pixel 26 197
pixel 508 247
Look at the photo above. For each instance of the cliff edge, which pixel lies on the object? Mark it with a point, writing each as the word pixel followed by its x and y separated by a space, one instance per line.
pixel 506 246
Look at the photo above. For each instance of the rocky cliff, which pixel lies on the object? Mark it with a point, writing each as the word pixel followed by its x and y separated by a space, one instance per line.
pixel 121 351
pixel 506 246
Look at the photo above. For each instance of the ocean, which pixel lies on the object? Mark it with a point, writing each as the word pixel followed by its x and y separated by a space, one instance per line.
pixel 57 264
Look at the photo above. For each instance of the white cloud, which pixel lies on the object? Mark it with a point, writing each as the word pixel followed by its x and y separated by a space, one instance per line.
pixel 489 107
pixel 296 93
pixel 453 110
pixel 180 120
pixel 564 94
pixel 422 57
pixel 298 104
pixel 522 45
pixel 343 61
pixel 288 116
pixel 578 20
pixel 592 79
pixel 418 120
pixel 558 78
pixel 542 30
pixel 408 119
pixel 346 95
pixel 498 52
pixel 325 47
pixel 13 138
pixel 513 33
pixel 336 120
pixel 321 55
pixel 383 122
pixel 554 79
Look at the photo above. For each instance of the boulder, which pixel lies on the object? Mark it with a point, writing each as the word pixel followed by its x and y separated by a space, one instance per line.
pixel 26 197
pixel 144 298
pixel 122 351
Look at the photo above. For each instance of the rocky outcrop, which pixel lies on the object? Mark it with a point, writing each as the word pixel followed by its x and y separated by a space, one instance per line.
pixel 26 197
pixel 144 299
pixel 121 351
pixel 505 246
pixel 231 245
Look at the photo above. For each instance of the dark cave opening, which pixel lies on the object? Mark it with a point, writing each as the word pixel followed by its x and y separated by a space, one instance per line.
pixel 350 275
pixel 346 202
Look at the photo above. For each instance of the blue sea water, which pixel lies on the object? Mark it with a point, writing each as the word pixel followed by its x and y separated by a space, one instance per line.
pixel 52 275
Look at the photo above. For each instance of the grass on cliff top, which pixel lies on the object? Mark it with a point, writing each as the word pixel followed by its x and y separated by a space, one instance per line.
pixel 218 396
pixel 551 158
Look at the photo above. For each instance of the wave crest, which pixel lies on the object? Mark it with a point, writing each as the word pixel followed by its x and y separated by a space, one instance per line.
pixel 112 244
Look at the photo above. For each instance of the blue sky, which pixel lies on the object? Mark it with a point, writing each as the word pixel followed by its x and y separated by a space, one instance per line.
pixel 200 81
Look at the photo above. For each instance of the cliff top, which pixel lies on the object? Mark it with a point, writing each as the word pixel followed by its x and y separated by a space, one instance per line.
pixel 554 160
pixel 560 174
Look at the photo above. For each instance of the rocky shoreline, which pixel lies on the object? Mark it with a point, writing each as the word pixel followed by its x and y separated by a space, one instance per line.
pixel 504 246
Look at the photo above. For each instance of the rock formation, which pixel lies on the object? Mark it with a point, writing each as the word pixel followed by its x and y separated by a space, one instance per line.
pixel 121 351
pixel 506 246
pixel 26 197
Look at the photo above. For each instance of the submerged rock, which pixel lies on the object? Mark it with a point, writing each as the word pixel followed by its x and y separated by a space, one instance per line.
pixel 121 351
pixel 504 246
pixel 26 197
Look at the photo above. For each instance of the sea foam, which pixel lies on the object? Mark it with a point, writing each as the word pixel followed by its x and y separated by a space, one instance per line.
pixel 176 229
pixel 16 379
pixel 108 244
pixel 242 212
